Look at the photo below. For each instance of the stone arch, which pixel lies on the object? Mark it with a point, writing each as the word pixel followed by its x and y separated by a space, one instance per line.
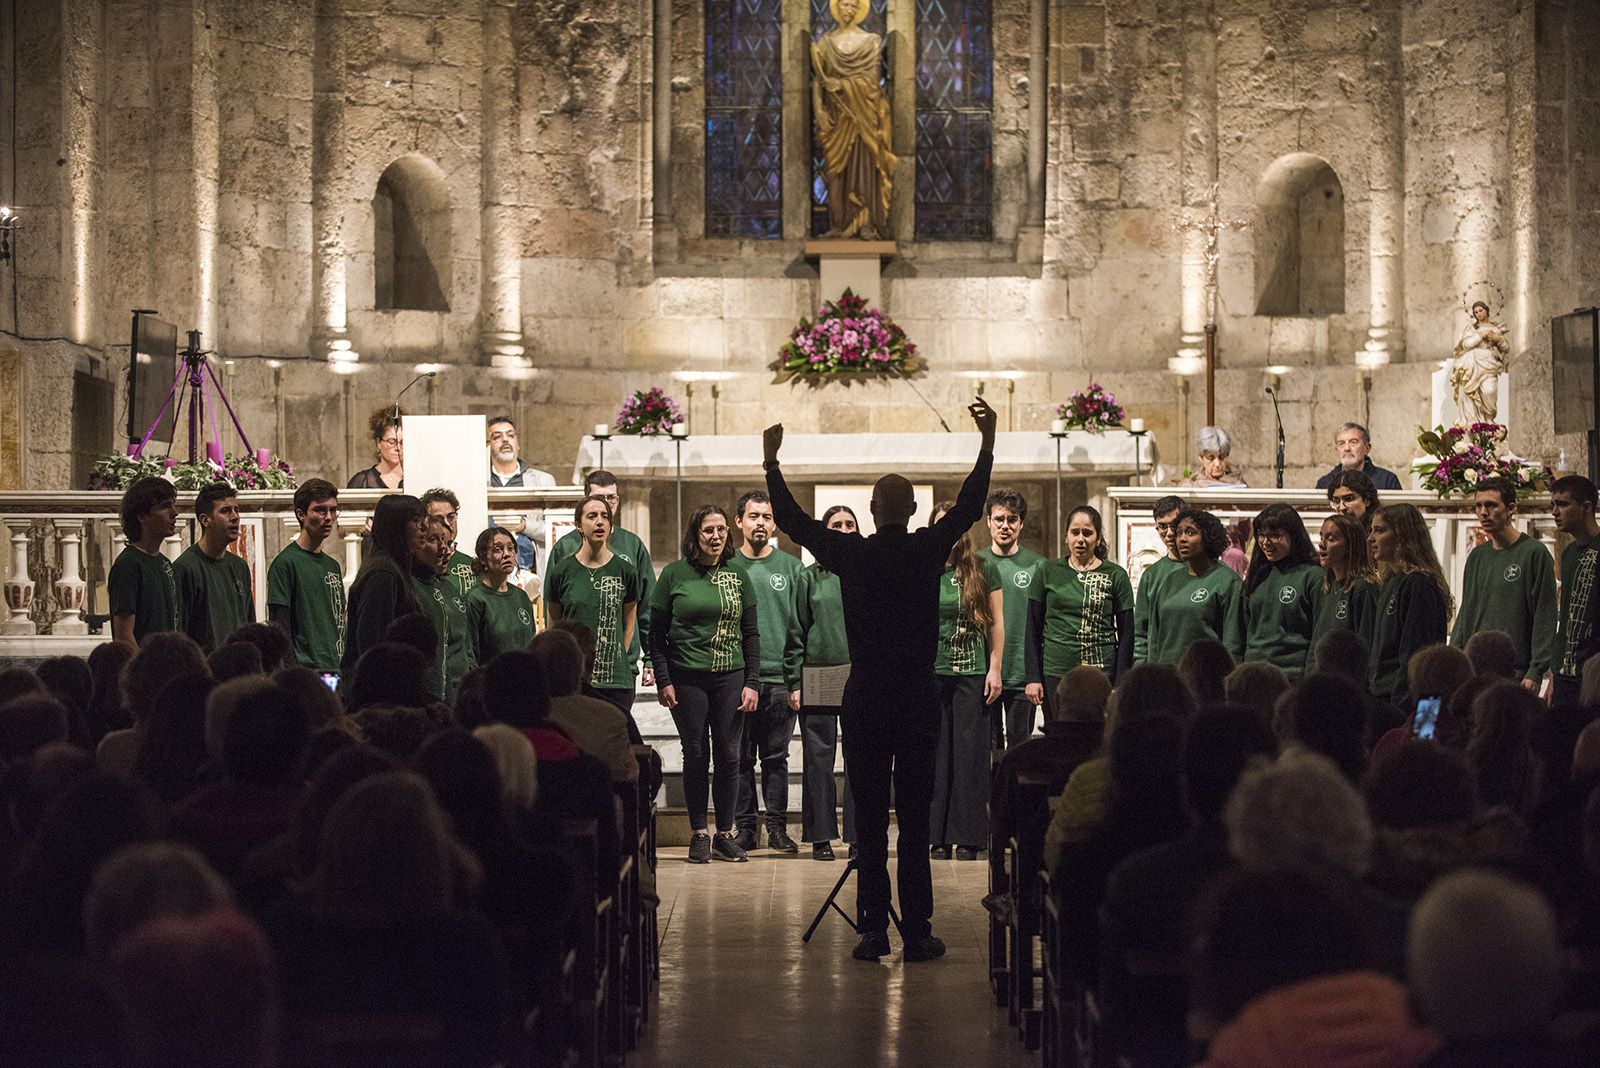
pixel 1299 238
pixel 411 239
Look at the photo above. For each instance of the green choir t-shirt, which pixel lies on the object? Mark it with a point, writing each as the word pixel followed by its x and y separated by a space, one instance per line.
pixel 775 577
pixel 1150 580
pixel 1341 609
pixel 430 594
pixel 1190 608
pixel 1017 573
pixel 311 586
pixel 144 585
pixel 458 656
pixel 819 622
pixel 704 609
pixel 1578 605
pixel 214 595
pixel 597 597
pixel 1080 614
pixel 627 545
pixel 1513 590
pixel 460 570
pixel 498 622
pixel 1280 616
pixel 963 643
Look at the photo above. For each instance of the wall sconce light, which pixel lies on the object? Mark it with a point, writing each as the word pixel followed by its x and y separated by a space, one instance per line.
pixel 8 224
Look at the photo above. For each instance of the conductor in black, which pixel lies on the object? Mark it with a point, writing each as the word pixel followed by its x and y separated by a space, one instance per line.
pixel 889 584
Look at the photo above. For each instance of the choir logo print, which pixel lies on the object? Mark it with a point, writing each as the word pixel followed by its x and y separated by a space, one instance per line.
pixel 1513 572
pixel 1344 610
pixel 1022 579
pixel 779 583
pixel 522 614
pixel 1199 596
pixel 1287 595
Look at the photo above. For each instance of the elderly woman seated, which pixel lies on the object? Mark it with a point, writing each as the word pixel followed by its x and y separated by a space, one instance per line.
pixel 1214 445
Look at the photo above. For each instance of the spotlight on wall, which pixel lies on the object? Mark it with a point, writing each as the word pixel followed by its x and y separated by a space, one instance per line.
pixel 8 224
pixel 429 368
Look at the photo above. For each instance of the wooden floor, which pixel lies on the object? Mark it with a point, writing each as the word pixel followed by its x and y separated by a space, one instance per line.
pixel 739 988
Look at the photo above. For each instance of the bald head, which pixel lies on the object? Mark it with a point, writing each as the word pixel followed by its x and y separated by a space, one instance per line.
pixel 893 501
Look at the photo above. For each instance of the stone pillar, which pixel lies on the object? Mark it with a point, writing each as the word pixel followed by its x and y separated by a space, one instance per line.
pixel 1522 130
pixel 19 586
pixel 81 139
pixel 352 556
pixel 795 68
pixel 1198 175
pixel 330 199
pixel 661 116
pixel 1386 193
pixel 172 546
pixel 501 314
pixel 902 44
pixel 71 590
pixel 1030 241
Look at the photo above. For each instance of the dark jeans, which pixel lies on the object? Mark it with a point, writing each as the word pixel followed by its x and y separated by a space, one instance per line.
pixel 891 731
pixel 1018 714
pixel 1564 691
pixel 709 722
pixel 766 736
pixel 819 795
pixel 959 811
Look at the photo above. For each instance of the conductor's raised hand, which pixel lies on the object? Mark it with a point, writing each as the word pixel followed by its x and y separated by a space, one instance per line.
pixel 985 419
pixel 771 441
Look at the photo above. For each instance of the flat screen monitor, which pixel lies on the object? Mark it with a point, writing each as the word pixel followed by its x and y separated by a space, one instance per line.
pixel 1573 340
pixel 152 367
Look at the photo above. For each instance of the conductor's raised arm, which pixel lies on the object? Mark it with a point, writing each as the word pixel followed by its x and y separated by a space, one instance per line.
pixel 801 528
pixel 969 502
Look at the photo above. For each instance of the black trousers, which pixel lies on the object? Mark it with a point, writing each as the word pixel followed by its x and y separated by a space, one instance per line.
pixel 819 794
pixel 1017 713
pixel 1564 691
pixel 959 808
pixel 766 738
pixel 709 725
pixel 891 732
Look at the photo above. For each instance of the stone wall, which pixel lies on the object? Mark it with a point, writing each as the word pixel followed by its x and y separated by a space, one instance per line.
pixel 218 162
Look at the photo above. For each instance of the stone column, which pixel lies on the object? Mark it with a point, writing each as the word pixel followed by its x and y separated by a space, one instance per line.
pixel 352 556
pixel 330 199
pixel 71 590
pixel 501 313
pixel 902 44
pixel 1198 174
pixel 795 68
pixel 1386 193
pixel 81 140
pixel 1522 129
pixel 661 116
pixel 1030 241
pixel 19 586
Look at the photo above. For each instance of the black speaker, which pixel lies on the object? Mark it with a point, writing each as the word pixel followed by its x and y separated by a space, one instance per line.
pixel 1575 365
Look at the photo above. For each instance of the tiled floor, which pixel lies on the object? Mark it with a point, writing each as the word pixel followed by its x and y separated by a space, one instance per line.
pixel 739 988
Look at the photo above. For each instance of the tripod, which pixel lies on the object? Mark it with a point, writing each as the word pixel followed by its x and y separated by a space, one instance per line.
pixel 196 375
pixel 832 903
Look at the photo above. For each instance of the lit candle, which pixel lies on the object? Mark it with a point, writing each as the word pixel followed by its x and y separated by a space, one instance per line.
pixel 680 430
pixel 1136 425
pixel 263 457
pixel 1058 426
pixel 602 430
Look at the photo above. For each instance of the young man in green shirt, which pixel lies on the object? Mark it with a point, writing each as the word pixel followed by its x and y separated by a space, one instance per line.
pixel 442 505
pixel 1165 512
pixel 631 548
pixel 1509 584
pixel 775 575
pixel 305 586
pixel 214 584
pixel 457 643
pixel 142 589
pixel 1006 512
pixel 1572 505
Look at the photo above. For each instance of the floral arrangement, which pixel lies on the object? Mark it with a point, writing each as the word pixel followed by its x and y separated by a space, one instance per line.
pixel 847 338
pixel 1094 409
pixel 648 412
pixel 118 472
pixel 1463 456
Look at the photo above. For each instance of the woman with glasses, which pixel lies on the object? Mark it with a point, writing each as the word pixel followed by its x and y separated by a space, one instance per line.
pixel 1283 592
pixel 387 440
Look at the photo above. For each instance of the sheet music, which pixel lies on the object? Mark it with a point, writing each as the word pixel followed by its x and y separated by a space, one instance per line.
pixel 823 687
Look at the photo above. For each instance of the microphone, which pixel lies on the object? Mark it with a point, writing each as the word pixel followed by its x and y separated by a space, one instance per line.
pixel 1273 393
pixel 907 379
pixel 402 393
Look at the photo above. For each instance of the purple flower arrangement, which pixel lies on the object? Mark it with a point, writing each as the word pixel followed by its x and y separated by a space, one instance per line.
pixel 847 338
pixel 1463 456
pixel 648 412
pixel 118 472
pixel 1094 409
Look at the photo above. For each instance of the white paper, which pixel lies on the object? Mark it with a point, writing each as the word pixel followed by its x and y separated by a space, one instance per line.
pixel 823 687
pixel 451 451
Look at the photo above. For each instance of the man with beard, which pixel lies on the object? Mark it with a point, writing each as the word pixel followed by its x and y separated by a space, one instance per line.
pixel 505 469
pixel 305 586
pixel 1165 513
pixel 775 575
pixel 213 584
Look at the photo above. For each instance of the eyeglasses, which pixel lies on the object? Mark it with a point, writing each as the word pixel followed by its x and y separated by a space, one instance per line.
pixel 389 441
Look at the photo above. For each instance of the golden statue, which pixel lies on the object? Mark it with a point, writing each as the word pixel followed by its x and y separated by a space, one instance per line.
pixel 852 117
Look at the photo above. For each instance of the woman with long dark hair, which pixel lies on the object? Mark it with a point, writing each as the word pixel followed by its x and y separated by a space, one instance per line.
pixel 499 614
pixel 601 589
pixel 1283 591
pixel 1205 600
pixel 1413 601
pixel 1085 611
pixel 706 648
pixel 381 590
pixel 971 643
pixel 1347 588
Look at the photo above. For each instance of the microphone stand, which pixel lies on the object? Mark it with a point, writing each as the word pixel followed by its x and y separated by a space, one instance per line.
pixel 426 374
pixel 907 379
pixel 1278 466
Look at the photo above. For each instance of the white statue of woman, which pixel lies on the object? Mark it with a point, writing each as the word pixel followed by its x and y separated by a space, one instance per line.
pixel 1480 360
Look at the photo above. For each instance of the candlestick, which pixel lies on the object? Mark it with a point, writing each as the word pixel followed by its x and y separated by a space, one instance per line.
pixel 602 430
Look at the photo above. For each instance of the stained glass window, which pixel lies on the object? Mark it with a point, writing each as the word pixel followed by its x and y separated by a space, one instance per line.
pixel 955 120
pixel 744 118
pixel 822 20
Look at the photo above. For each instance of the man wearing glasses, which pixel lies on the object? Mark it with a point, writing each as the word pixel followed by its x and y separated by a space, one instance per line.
pixel 1165 512
pixel 305 586
pixel 507 469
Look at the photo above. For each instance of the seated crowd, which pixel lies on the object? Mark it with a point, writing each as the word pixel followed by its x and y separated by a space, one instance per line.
pixel 203 857
pixel 1254 873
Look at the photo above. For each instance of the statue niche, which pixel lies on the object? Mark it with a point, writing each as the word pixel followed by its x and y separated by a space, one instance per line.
pixel 851 112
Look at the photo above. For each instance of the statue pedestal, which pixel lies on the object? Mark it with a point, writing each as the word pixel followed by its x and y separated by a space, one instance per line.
pixel 1444 411
pixel 850 264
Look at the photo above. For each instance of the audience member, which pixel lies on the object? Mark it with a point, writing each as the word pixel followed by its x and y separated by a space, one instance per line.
pixel 390 673
pixel 1256 685
pixel 1437 671
pixel 586 641
pixel 27 791
pixel 1299 811
pixel 220 706
pixel 1343 652
pixel 325 744
pixel 173 751
pixel 143 882
pixel 28 723
pixel 598 727
pixel 1203 666
pixel 1071 735
pixel 322 705
pixel 234 660
pixel 1497 748
pixel 273 644
pixel 106 711
pixel 162 657
pixel 468 703
pixel 516 762
pixel 1328 714
pixel 18 682
pixel 416 630
pixel 68 680
pixel 1492 652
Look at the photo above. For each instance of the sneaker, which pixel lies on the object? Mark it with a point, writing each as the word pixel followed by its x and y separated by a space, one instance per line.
pixel 925 948
pixel 822 851
pixel 700 849
pixel 940 852
pixel 745 839
pixel 778 838
pixel 967 852
pixel 873 944
pixel 726 847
